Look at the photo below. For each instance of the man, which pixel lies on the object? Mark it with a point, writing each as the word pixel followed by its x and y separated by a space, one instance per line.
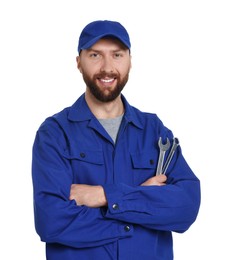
pixel 96 194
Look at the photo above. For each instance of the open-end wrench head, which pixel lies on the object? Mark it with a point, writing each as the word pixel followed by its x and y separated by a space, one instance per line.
pixel 176 141
pixel 164 147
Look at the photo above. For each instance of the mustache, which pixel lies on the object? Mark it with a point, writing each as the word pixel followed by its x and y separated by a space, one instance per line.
pixel 106 75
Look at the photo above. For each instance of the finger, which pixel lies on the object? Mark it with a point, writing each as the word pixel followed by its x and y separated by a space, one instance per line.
pixel 161 178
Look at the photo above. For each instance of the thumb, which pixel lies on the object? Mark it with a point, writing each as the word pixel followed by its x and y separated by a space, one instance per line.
pixel 161 178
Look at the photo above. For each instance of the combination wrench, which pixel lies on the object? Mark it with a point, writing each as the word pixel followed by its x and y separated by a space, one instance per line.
pixel 163 148
pixel 172 151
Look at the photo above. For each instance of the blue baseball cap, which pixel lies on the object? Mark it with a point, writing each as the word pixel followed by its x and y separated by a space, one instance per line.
pixel 96 30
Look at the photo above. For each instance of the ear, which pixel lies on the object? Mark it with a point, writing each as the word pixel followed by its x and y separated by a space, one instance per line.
pixel 78 64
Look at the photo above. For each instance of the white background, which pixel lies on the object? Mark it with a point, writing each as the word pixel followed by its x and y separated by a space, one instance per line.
pixel 183 70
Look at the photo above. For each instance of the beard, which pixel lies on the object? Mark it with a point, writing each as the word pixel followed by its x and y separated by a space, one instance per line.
pixel 106 95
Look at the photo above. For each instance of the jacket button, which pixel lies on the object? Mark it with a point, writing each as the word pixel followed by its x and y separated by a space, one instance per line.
pixel 151 161
pixel 115 206
pixel 82 155
pixel 127 228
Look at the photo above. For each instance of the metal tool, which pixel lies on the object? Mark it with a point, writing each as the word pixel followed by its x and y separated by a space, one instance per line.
pixel 163 148
pixel 169 158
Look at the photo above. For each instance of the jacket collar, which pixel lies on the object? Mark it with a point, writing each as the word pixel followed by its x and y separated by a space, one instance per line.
pixel 80 111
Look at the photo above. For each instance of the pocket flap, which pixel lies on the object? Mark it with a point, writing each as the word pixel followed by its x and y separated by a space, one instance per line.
pixel 90 156
pixel 145 160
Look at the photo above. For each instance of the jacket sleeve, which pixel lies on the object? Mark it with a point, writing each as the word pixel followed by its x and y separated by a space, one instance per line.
pixel 172 207
pixel 58 219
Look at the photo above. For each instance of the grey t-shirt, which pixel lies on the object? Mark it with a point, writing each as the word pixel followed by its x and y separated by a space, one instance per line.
pixel 111 125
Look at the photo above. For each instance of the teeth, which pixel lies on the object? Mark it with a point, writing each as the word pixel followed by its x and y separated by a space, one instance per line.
pixel 107 80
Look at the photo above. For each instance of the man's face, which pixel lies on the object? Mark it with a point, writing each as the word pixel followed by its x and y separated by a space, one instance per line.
pixel 105 68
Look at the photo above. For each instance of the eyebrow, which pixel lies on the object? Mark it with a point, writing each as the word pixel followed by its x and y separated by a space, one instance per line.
pixel 96 50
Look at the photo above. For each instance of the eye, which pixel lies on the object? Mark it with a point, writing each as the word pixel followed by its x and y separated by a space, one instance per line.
pixel 94 55
pixel 118 55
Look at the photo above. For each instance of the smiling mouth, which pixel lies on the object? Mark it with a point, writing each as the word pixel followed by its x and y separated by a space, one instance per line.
pixel 107 80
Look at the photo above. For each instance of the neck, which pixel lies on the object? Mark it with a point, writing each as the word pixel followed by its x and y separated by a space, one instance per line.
pixel 103 110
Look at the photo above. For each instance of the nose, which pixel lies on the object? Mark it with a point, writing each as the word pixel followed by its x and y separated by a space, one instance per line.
pixel 107 65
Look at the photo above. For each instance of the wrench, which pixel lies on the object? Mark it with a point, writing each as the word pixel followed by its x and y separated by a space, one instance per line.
pixel 172 151
pixel 163 148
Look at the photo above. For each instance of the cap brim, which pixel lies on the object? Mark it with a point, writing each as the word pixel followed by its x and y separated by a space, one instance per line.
pixel 94 40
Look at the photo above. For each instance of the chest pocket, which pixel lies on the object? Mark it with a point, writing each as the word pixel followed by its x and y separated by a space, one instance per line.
pixel 88 166
pixel 144 165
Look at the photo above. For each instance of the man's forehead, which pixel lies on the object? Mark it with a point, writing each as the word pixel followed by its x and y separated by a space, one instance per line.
pixel 109 41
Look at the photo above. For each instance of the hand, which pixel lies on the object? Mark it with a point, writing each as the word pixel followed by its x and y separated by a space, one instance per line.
pixel 157 180
pixel 88 195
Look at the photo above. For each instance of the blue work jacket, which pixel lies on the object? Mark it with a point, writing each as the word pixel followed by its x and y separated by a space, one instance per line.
pixel 73 147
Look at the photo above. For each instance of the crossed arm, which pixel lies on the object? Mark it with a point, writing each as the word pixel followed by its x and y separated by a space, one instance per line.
pixel 94 196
